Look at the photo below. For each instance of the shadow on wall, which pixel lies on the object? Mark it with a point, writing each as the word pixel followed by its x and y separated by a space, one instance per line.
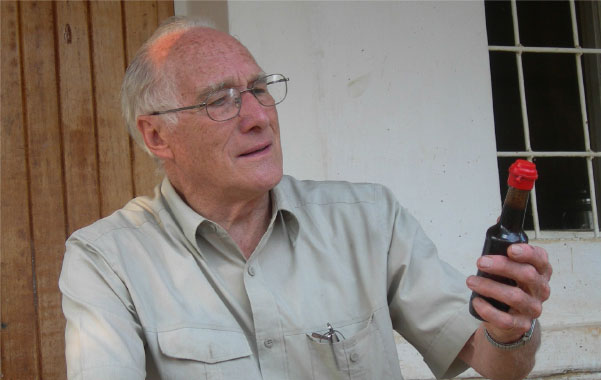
pixel 214 11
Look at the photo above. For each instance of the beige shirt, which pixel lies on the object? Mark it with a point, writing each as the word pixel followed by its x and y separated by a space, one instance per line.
pixel 157 291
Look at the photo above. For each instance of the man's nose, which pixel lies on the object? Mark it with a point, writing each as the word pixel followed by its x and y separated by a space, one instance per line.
pixel 252 113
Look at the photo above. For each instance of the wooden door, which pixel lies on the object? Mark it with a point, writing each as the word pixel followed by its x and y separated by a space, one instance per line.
pixel 66 159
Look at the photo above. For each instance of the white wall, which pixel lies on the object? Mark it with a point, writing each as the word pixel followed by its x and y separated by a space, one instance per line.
pixel 389 92
pixel 399 93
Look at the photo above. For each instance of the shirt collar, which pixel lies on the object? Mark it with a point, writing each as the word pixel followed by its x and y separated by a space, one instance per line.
pixel 281 203
pixel 189 220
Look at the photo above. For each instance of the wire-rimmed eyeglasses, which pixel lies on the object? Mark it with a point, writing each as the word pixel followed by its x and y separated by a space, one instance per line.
pixel 224 104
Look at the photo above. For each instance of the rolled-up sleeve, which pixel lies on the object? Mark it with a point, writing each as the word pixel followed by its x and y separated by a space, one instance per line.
pixel 427 297
pixel 103 337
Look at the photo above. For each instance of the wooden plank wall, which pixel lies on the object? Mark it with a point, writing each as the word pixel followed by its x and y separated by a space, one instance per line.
pixel 66 159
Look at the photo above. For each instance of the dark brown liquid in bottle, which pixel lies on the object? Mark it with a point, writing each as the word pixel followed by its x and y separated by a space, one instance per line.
pixel 509 230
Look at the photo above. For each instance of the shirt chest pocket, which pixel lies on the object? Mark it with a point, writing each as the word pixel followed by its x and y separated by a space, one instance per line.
pixel 193 353
pixel 360 356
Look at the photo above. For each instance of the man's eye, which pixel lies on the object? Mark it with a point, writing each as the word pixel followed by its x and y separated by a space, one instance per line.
pixel 217 102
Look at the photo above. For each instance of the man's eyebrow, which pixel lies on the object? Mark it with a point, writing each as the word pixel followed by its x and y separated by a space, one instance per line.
pixel 209 89
pixel 228 83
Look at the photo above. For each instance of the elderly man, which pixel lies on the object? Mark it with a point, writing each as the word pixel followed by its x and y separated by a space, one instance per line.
pixel 234 271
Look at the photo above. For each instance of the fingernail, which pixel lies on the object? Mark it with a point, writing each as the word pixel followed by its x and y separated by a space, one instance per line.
pixel 517 250
pixel 485 262
pixel 471 281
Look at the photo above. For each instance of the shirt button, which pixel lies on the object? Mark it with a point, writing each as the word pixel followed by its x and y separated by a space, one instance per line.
pixel 268 343
pixel 251 271
pixel 354 357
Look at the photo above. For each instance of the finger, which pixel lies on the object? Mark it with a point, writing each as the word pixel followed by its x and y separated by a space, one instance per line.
pixel 504 327
pixel 536 256
pixel 492 315
pixel 524 274
pixel 515 297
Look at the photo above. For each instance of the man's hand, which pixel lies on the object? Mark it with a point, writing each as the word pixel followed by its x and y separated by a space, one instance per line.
pixel 530 268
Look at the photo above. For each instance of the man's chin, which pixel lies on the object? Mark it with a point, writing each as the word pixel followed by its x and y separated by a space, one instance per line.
pixel 259 179
pixel 267 181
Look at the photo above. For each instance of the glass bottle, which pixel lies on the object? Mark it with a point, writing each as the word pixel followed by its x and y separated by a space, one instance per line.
pixel 509 229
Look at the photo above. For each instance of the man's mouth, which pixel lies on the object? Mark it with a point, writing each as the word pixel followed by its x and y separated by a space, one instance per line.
pixel 256 151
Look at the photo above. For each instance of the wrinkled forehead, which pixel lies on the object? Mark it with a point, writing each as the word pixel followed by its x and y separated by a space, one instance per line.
pixel 210 55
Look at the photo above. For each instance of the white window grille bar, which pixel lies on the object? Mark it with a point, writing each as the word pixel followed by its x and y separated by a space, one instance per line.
pixel 515 22
pixel 592 197
pixel 523 107
pixel 535 49
pixel 523 101
pixel 589 154
pixel 590 170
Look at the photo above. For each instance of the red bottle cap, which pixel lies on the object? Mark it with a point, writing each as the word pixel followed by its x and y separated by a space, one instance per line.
pixel 522 175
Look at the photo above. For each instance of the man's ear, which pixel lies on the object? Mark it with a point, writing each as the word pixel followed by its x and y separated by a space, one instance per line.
pixel 154 133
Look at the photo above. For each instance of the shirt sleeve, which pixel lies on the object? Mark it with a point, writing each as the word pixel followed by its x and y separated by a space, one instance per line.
pixel 103 338
pixel 428 299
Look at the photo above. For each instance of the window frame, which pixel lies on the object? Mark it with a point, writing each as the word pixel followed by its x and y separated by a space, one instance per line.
pixel 529 153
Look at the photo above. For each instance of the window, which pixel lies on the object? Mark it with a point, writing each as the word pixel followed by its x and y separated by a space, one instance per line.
pixel 545 76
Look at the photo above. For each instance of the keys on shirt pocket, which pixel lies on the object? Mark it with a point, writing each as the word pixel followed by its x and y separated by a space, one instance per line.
pixel 331 335
pixel 335 356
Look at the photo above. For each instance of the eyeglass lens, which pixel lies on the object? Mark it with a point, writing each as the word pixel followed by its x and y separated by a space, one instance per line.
pixel 225 104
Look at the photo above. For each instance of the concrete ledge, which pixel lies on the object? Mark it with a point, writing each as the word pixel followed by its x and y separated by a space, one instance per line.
pixel 570 352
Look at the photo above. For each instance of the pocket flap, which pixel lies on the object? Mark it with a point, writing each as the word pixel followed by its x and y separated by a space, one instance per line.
pixel 209 346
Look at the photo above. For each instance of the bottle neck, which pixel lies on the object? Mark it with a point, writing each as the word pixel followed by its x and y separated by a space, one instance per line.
pixel 513 210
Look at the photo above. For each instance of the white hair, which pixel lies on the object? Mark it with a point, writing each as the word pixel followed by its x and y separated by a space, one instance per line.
pixel 144 89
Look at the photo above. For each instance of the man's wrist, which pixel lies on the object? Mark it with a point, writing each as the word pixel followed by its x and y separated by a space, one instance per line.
pixel 512 345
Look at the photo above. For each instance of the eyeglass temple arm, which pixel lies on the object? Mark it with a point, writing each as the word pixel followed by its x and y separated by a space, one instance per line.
pixel 179 109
